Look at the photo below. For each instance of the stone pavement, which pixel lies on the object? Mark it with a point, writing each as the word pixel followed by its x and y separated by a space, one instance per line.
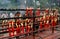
pixel 42 35
pixel 45 35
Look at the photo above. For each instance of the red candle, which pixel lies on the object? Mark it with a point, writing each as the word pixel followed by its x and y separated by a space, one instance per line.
pixel 26 28
pixel 38 12
pixel 18 22
pixel 11 28
pixel 22 28
pixel 18 29
pixel 12 33
pixel 47 17
pixel 31 11
pixel 27 12
pixel 47 25
pixel 53 23
pixel 44 18
pixel 29 28
pixel 41 25
pixel 47 11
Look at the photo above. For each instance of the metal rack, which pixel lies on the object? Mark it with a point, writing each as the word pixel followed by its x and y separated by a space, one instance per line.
pixel 18 18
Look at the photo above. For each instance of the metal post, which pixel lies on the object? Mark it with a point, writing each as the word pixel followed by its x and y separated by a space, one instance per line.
pixel 33 25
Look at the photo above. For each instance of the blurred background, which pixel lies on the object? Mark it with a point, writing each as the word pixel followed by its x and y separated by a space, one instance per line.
pixel 29 3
